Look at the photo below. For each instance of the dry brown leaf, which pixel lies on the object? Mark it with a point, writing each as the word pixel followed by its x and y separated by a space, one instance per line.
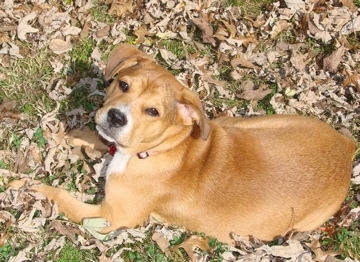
pixel 121 8
pixel 103 32
pixel 221 34
pixel 162 242
pixel 231 28
pixel 293 250
pixel 250 92
pixel 59 46
pixel 349 4
pixel 332 61
pixel 279 27
pixel 24 28
pixel 207 31
pixel 85 32
pixel 352 78
pixel 315 247
pixel 7 105
pixel 64 230
pixel 71 30
pixel 21 164
pixel 297 5
pixel 260 20
pixel 140 33
pixel 243 62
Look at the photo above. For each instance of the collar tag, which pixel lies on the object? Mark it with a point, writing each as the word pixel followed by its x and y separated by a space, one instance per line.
pixel 142 155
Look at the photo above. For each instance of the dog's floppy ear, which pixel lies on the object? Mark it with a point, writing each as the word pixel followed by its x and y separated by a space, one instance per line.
pixel 123 56
pixel 191 112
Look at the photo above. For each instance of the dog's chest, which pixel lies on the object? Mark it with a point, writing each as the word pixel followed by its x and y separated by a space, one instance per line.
pixel 118 164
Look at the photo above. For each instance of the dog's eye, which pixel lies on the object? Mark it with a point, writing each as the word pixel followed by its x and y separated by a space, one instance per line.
pixel 152 111
pixel 123 86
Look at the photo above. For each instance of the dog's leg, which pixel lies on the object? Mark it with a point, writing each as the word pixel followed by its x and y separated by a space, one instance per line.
pixel 73 208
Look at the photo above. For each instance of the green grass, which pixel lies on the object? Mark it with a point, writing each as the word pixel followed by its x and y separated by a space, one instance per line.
pixel 100 13
pixel 38 137
pixel 248 7
pixel 26 82
pixel 7 251
pixel 346 241
pixel 81 57
pixel 70 253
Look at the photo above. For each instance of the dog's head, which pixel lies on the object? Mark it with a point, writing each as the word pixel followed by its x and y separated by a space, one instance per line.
pixel 145 106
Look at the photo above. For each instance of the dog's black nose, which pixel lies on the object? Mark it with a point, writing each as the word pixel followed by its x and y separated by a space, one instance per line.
pixel 116 118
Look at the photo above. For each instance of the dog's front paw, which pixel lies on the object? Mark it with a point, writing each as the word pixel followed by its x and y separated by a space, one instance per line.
pixel 24 182
pixel 19 183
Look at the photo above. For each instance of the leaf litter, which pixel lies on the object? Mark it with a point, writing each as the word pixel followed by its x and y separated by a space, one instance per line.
pixel 281 46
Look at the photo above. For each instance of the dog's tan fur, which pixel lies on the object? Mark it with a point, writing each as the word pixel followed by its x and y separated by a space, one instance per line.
pixel 261 176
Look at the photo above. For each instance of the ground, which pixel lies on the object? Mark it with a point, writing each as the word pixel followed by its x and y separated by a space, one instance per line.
pixel 243 58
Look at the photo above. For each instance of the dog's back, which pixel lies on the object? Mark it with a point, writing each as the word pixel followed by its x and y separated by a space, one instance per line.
pixel 286 173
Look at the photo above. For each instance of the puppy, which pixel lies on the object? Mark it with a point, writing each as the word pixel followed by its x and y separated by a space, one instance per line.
pixel 261 176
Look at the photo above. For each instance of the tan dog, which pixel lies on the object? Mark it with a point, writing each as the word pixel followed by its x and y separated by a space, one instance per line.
pixel 261 176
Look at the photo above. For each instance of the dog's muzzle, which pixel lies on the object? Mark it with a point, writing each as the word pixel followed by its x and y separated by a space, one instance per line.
pixel 116 118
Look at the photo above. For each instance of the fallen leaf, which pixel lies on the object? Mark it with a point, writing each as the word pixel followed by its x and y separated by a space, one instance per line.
pixel 242 61
pixel 207 31
pixel 279 27
pixel 297 5
pixel 315 247
pixel 332 61
pixel 24 28
pixel 140 33
pixel 59 46
pixel 121 8
pixel 103 32
pixel 7 105
pixel 162 242
pixel 71 30
pixel 351 78
pixel 350 4
pixel 293 250
pixel 64 230
pixel 250 92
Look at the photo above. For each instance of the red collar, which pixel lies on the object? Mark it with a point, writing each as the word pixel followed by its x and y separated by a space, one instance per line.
pixel 141 155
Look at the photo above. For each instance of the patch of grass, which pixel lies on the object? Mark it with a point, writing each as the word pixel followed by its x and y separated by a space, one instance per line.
pixel 219 102
pixel 26 83
pixel 15 140
pixel 249 8
pixel 100 13
pixel 265 102
pixel 38 137
pixel 3 165
pixel 7 251
pixel 70 253
pixel 79 97
pixel 346 241
pixel 177 47
pixel 81 57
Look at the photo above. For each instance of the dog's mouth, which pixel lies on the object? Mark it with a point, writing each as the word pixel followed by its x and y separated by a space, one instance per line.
pixel 108 138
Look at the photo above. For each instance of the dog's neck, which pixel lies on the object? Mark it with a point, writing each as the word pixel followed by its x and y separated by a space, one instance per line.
pixel 141 155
